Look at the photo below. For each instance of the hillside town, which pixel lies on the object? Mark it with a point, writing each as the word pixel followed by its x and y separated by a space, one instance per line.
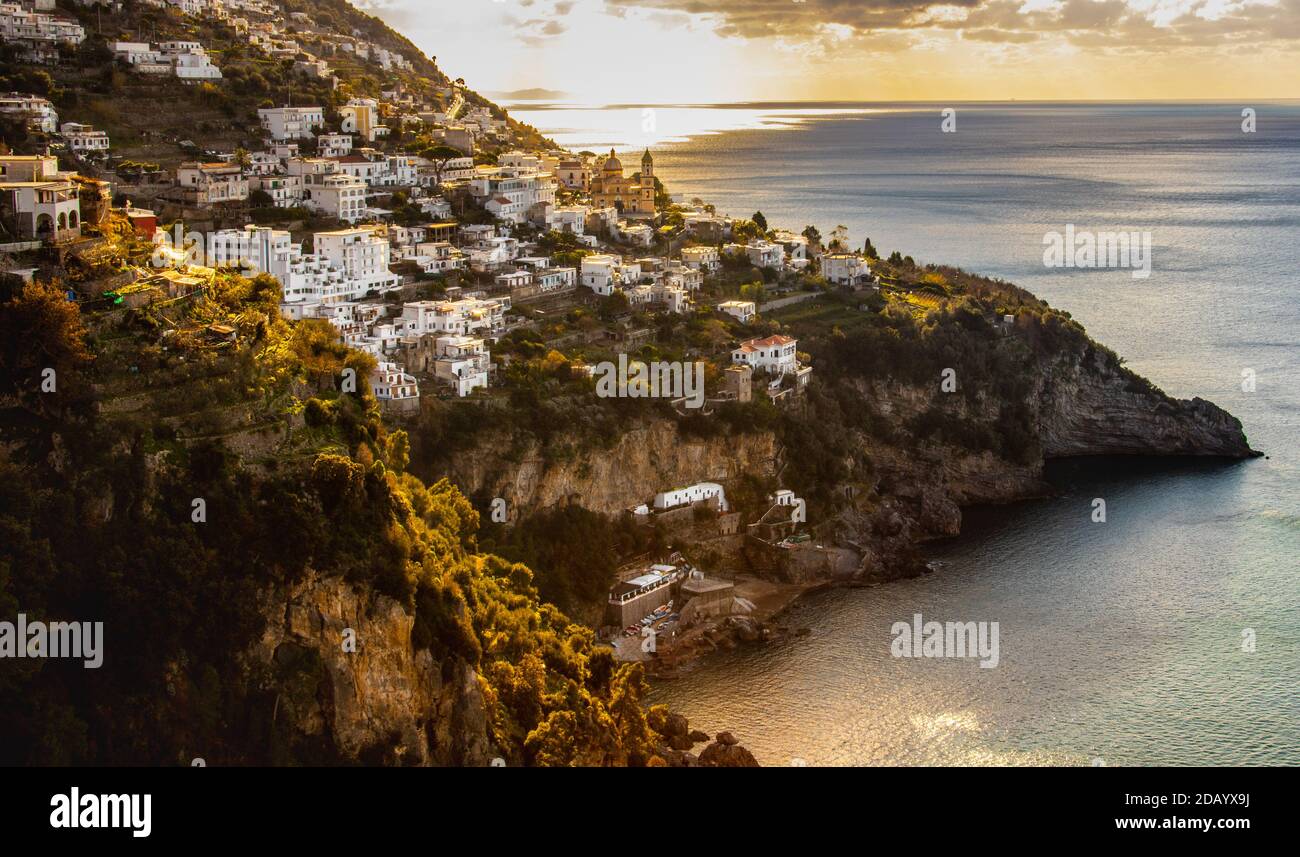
pixel 426 233
pixel 432 256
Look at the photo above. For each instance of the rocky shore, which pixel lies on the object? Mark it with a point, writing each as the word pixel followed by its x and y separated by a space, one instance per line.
pixel 679 740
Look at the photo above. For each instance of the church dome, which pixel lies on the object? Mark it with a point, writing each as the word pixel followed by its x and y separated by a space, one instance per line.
pixel 612 163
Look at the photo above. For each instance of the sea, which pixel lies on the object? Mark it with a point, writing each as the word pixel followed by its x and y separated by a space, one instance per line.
pixel 1167 633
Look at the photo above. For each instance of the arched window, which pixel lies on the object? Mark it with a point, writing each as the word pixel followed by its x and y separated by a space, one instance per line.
pixel 63 221
pixel 72 220
pixel 44 225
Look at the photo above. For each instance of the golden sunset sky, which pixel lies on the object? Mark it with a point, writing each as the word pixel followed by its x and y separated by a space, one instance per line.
pixel 693 51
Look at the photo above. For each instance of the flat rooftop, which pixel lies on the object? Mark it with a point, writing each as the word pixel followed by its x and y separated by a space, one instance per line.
pixel 698 586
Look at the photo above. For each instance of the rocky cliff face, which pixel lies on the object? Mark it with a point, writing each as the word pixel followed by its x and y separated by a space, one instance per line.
pixel 645 461
pixel 1089 407
pixel 384 702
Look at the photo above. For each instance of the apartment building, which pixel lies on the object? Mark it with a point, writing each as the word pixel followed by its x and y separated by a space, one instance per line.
pixel 706 259
pixel 464 317
pixel 337 195
pixel 209 183
pixel 291 123
pixel 511 192
pixel 361 253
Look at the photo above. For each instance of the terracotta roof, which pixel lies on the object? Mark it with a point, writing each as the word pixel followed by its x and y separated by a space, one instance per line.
pixel 756 344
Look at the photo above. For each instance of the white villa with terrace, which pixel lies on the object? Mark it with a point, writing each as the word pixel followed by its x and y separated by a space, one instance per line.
pixel 775 354
pixel 463 362
pixel 292 123
pixel 393 387
pixel 84 139
pixel 845 269
pixel 37 111
pixel 742 311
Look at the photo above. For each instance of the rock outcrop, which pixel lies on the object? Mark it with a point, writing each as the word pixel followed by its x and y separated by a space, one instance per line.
pixel 647 459
pixel 348 677
pixel 678 739
pixel 1087 406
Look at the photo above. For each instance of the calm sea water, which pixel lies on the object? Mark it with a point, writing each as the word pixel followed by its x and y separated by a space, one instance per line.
pixel 1120 641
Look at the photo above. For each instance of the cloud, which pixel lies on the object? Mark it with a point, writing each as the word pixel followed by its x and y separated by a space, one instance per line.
pixel 999 36
pixel 535 31
pixel 1101 24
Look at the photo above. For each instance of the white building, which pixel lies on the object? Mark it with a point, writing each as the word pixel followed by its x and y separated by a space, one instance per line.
pixel 776 354
pixel 39 32
pixel 492 254
pixel 690 279
pixel 463 362
pixel 187 60
pixel 452 170
pixel 285 191
pixel 637 234
pixel 510 192
pixel 263 164
pixel 213 182
pixel 761 254
pixel 702 258
pixel 39 201
pixel 568 218
pixel 373 172
pixel 463 317
pixel 556 279
pixel 38 112
pixel 310 282
pixel 674 298
pixel 741 310
pixel 291 123
pixel 438 257
pixel 340 196
pixel 142 57
pixel 514 279
pixel 692 494
pixel 191 62
pixel 796 246
pixel 434 206
pixel 84 139
pixel 393 387
pixel 254 248
pixel 597 272
pixel 346 267
pixel 362 254
pixel 333 145
pixel 845 269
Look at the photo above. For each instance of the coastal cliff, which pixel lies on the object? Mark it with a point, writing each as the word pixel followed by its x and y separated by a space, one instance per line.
pixel 349 679
pixel 317 598
pixel 1090 406
pixel 648 458
pixel 887 459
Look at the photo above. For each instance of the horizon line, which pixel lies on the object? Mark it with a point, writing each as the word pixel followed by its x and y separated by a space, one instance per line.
pixel 841 101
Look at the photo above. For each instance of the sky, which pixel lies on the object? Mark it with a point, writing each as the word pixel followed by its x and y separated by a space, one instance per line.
pixel 703 51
